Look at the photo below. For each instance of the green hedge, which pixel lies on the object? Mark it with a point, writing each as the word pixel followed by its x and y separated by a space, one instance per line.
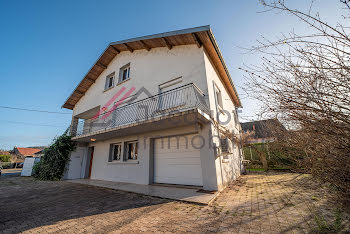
pixel 56 156
pixel 5 165
pixel 5 158
pixel 276 157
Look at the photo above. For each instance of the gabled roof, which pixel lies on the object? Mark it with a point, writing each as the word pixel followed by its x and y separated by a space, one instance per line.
pixel 200 36
pixel 40 152
pixel 27 151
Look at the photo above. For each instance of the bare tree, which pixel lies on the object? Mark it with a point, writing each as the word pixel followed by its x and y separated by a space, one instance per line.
pixel 245 140
pixel 304 80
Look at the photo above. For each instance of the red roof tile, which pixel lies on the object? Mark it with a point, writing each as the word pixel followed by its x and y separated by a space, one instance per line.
pixel 27 151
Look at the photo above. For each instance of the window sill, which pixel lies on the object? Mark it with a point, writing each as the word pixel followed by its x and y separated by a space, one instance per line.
pixel 123 162
pixel 121 82
pixel 108 89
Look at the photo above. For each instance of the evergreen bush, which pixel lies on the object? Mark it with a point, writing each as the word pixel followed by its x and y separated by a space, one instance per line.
pixel 56 156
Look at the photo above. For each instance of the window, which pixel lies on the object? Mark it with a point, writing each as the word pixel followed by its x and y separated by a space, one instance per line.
pixel 218 97
pixel 131 150
pixel 120 154
pixel 224 145
pixel 109 81
pixel 117 152
pixel 124 72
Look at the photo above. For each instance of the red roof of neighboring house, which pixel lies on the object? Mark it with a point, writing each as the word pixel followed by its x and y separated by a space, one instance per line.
pixel 27 151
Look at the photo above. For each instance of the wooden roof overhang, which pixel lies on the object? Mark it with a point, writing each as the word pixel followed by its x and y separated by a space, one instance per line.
pixel 200 36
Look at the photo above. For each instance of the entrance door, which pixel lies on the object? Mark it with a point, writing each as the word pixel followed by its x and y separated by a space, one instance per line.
pixel 75 164
pixel 169 100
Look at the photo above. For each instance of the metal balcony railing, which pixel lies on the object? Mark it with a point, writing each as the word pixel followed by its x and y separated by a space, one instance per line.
pixel 177 100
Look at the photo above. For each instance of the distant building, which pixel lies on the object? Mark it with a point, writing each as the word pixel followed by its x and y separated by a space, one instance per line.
pixel 26 152
pixel 4 152
pixel 263 130
pixel 39 153
pixel 18 154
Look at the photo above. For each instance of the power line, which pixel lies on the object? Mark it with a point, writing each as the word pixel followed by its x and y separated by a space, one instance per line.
pixel 33 110
pixel 31 124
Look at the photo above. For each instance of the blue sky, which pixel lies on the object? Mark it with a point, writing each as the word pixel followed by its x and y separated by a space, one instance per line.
pixel 46 47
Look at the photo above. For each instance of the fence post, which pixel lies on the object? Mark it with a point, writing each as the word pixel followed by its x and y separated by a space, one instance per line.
pixel 268 151
pixel 251 155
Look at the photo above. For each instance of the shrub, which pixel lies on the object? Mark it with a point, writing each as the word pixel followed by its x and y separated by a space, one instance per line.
pixel 5 165
pixel 304 81
pixel 276 156
pixel 56 156
pixel 5 158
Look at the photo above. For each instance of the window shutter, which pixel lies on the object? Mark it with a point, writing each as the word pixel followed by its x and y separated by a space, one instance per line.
pixel 110 158
pixel 106 83
pixel 224 145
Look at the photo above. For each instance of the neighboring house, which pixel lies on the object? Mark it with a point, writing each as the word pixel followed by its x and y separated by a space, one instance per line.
pixel 146 111
pixel 25 152
pixel 4 152
pixel 262 130
pixel 18 154
pixel 39 154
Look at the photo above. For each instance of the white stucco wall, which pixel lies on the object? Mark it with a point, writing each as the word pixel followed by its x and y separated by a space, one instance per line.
pixel 148 69
pixel 228 165
pixel 132 172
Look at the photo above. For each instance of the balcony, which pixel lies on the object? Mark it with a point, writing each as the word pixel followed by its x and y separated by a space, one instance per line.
pixel 186 101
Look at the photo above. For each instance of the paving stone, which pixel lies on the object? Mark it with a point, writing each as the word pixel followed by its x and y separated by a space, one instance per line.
pixel 255 203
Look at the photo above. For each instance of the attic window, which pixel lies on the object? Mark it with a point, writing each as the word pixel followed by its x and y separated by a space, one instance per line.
pixel 124 72
pixel 109 81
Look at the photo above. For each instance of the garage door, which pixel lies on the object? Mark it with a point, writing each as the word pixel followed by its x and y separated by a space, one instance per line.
pixel 176 162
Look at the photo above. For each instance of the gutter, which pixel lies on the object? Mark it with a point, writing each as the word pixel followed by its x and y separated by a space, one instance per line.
pixel 212 38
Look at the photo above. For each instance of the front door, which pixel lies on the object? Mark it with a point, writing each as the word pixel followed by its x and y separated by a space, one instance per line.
pixel 75 164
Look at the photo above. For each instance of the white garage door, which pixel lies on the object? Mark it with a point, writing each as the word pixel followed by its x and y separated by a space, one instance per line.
pixel 177 163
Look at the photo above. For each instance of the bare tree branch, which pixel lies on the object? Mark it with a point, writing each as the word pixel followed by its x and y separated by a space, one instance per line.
pixel 305 81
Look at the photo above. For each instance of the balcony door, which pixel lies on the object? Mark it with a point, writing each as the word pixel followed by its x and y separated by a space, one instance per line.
pixel 170 97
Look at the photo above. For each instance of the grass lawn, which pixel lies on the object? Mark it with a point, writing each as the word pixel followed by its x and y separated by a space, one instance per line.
pixel 255 169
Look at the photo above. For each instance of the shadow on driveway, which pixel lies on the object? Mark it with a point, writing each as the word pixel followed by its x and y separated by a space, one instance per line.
pixel 27 204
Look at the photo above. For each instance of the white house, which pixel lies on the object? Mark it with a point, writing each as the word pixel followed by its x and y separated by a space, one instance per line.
pixel 146 112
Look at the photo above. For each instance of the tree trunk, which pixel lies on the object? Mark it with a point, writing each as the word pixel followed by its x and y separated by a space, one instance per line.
pixel 262 157
pixel 263 160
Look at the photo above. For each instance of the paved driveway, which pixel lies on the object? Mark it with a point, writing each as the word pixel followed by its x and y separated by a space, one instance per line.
pixel 267 203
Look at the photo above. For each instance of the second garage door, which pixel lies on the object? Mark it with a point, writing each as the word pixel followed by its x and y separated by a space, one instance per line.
pixel 177 163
